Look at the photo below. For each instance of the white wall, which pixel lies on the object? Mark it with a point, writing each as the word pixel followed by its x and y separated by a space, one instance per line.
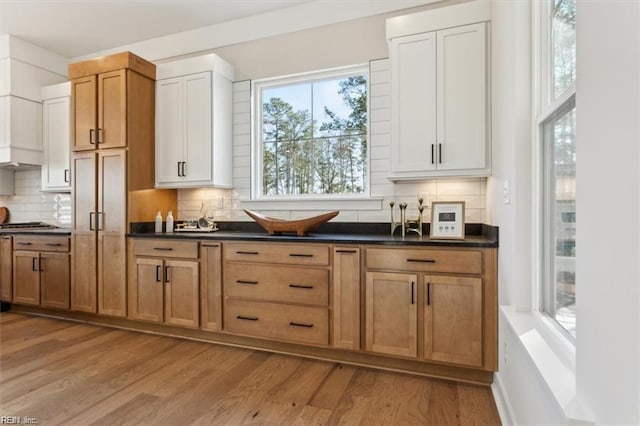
pixel 538 381
pixel 608 176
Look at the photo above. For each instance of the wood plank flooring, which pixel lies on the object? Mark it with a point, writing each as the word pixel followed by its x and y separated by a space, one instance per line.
pixel 62 372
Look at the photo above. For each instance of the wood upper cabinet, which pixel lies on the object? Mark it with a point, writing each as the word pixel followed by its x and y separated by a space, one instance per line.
pixel 391 313
pixel 6 268
pixel 41 273
pixel 453 320
pixel 346 297
pixel 99 111
pixel 440 80
pixel 164 289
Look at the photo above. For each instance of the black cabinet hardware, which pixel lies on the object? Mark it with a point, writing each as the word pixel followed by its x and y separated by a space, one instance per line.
pixel 24 244
pixel 91 136
pixel 413 285
pixel 240 317
pixel 33 264
pixel 428 294
pixel 210 245
pixel 308 287
pixel 167 277
pixel 432 147
pixel 421 260
pixel 246 252
pixel 184 165
pixel 99 133
pixel 179 175
pixel 346 251
pixel 163 248
pixel 158 273
pixel 440 153
pixel 300 255
pixel 67 175
pixel 53 244
pixel 246 282
pixel 300 324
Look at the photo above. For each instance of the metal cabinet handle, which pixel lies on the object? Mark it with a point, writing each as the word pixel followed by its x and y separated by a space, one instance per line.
pixel 246 252
pixel 167 277
pixel 300 324
pixel 210 245
pixel 346 251
pixel 413 285
pixel 421 260
pixel 440 153
pixel 163 248
pixel 158 273
pixel 428 294
pixel 307 287
pixel 241 317
pixel 179 175
pixel 67 175
pixel 432 147
pixel 53 244
pixel 184 173
pixel 91 136
pixel 300 255
pixel 246 282
pixel 99 133
pixel 33 264
pixel 91 227
pixel 24 244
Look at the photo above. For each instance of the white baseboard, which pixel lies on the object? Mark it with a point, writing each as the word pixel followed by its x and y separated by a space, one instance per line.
pixel 502 403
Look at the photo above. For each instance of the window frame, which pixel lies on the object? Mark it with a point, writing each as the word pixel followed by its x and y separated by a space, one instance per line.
pixel 546 109
pixel 256 132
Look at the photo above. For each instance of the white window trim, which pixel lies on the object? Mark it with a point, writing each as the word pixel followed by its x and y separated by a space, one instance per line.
pixel 362 201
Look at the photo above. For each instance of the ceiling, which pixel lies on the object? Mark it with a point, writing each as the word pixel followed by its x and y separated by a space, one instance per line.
pixel 74 28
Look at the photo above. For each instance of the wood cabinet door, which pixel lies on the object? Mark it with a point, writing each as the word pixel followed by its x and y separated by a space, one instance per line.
pixel 83 112
pixel 55 280
pixel 181 298
pixel 84 236
pixel 111 225
pixel 112 110
pixel 453 320
pixel 413 69
pixel 197 127
pixel 391 313
pixel 462 98
pixel 55 141
pixel 169 131
pixel 6 269
pixel 26 277
pixel 211 286
pixel 146 291
pixel 346 297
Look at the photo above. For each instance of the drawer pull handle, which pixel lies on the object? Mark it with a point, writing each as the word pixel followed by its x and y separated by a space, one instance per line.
pixel 308 287
pixel 163 248
pixel 421 260
pixel 246 282
pixel 24 244
pixel 413 285
pixel 240 317
pixel 53 244
pixel 300 324
pixel 300 255
pixel 246 252
pixel 346 251
pixel 210 245
pixel 428 294
pixel 158 267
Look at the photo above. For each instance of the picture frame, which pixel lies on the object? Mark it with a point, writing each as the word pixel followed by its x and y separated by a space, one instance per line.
pixel 447 220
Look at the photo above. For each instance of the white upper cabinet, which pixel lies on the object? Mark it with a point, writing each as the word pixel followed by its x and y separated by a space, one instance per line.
pixel 193 123
pixel 56 137
pixel 440 94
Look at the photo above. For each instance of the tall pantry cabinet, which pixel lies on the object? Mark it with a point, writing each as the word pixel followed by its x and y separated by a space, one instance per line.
pixel 112 108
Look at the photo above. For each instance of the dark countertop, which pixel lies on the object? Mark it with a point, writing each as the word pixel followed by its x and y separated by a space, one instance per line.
pixel 477 235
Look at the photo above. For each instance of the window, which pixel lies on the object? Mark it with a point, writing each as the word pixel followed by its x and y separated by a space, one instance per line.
pixel 311 135
pixel 557 135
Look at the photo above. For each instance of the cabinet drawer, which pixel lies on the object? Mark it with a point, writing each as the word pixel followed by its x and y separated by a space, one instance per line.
pixel 41 243
pixel 166 248
pixel 277 283
pixel 292 254
pixel 456 261
pixel 277 321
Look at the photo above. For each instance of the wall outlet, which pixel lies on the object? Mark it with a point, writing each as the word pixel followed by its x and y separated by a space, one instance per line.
pixel 506 192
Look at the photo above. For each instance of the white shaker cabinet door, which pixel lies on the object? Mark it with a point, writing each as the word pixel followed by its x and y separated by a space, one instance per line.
pixel 414 102
pixel 169 131
pixel 462 98
pixel 198 122
pixel 56 124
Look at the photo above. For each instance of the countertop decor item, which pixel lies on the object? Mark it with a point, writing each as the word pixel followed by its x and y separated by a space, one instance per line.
pixel 4 214
pixel 447 220
pixel 300 226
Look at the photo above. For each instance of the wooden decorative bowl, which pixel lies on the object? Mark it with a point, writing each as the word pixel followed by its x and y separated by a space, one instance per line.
pixel 299 226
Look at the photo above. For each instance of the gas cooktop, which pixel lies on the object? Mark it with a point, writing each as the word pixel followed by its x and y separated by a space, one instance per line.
pixel 26 225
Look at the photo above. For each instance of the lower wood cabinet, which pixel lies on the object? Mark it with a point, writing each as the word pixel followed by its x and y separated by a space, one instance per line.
pixel 6 268
pixel 346 297
pixel 164 289
pixel 41 278
pixel 211 286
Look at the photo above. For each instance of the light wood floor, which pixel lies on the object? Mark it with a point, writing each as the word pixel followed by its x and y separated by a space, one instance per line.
pixel 62 372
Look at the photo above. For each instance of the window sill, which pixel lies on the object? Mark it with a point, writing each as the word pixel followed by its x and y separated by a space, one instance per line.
pixel 554 357
pixel 316 203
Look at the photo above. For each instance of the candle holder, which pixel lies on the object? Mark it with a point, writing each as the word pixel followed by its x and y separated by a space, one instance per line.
pixel 407 225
